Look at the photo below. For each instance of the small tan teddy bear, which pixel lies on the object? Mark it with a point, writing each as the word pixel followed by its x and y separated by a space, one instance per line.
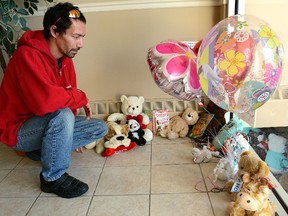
pixel 179 125
pixel 251 167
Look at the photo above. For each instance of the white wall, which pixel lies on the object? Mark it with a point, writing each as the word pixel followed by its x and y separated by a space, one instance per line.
pixel 119 34
pixel 275 13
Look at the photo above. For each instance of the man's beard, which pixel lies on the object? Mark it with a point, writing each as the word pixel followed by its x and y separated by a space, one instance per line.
pixel 72 53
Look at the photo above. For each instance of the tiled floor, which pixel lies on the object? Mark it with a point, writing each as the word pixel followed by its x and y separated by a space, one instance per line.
pixel 158 179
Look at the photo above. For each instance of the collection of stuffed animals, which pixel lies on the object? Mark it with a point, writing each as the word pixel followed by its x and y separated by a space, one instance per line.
pixel 126 130
pixel 249 192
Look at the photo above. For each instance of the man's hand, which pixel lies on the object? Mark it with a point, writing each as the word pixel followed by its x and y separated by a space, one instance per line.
pixel 88 110
pixel 79 150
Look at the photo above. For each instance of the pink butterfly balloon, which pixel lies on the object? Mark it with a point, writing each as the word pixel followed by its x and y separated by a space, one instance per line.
pixel 173 68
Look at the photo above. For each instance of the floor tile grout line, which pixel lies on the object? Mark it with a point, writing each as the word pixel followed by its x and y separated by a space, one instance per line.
pixel 33 204
pixel 207 192
pixel 211 203
pixel 10 170
pixel 37 197
pixel 93 194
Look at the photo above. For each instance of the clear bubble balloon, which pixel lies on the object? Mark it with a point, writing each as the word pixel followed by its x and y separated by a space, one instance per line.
pixel 239 63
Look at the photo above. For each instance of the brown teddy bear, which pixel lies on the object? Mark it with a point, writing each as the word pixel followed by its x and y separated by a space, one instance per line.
pixel 179 125
pixel 252 200
pixel 251 167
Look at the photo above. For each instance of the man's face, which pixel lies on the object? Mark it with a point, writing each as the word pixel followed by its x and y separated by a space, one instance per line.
pixel 72 40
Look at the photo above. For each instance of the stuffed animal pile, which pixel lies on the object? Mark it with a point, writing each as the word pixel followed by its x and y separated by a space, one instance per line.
pixel 126 129
pixel 131 108
pixel 179 125
pixel 251 191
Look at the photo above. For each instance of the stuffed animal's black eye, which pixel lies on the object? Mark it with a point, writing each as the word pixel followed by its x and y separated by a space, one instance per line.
pixel 137 106
pixel 242 167
pixel 129 106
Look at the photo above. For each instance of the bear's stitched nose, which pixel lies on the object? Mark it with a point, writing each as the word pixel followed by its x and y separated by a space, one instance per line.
pixel 120 138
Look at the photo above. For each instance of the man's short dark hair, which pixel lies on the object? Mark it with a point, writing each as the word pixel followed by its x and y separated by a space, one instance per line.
pixel 58 15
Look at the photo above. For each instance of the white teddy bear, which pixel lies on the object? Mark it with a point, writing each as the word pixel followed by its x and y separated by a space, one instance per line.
pixel 204 155
pixel 131 108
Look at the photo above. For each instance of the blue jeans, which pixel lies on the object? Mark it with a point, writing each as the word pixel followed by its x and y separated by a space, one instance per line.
pixel 56 134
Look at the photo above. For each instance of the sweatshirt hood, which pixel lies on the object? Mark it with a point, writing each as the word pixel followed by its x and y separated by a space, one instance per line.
pixel 36 40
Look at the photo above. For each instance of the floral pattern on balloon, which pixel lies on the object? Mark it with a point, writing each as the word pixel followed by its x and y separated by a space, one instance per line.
pixel 173 68
pixel 240 67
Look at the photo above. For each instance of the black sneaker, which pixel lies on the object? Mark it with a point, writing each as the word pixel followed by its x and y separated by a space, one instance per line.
pixel 66 186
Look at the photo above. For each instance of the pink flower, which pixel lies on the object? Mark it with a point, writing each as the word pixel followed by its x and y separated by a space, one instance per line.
pixel 271 75
pixel 179 61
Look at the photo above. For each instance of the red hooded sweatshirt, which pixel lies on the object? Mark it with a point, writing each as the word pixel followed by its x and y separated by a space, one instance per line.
pixel 34 85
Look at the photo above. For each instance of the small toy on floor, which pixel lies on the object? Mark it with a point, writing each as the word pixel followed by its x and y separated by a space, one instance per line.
pixel 136 134
pixel 179 125
pixel 117 139
pixel 203 155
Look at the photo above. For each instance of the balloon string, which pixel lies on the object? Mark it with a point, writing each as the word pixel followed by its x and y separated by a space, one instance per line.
pixel 215 188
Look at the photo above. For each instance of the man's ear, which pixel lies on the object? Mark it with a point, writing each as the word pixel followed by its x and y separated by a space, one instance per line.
pixel 53 31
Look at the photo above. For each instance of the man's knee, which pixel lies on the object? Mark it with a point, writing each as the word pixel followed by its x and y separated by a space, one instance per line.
pixel 64 118
pixel 67 114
